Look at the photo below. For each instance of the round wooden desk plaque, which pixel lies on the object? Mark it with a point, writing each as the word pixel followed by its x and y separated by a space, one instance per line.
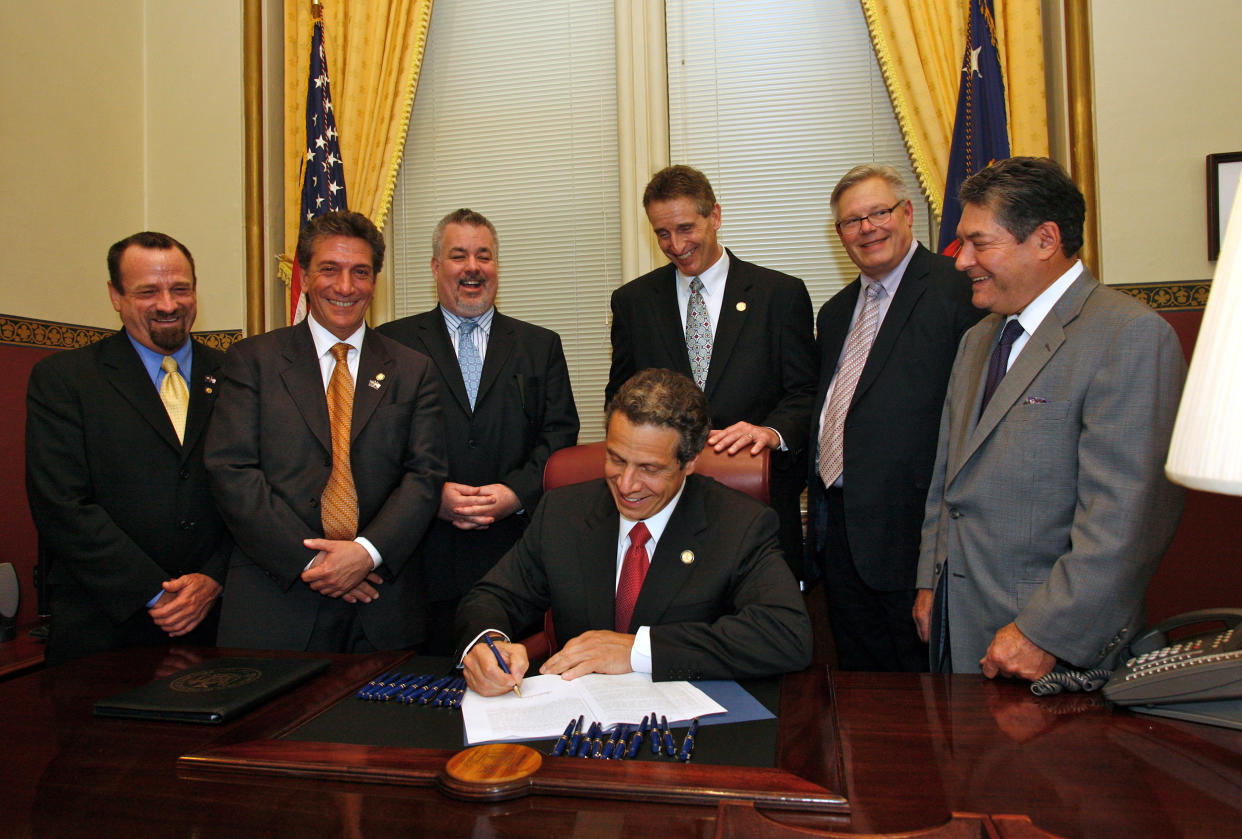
pixel 494 772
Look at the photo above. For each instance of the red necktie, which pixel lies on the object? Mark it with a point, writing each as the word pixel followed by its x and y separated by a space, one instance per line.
pixel 633 570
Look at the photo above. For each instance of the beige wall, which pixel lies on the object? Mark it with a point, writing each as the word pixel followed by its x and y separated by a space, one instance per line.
pixel 119 117
pixel 1168 81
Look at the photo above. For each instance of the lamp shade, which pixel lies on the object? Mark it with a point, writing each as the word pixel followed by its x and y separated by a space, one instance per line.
pixel 1206 449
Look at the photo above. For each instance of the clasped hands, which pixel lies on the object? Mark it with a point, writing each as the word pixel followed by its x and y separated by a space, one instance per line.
pixel 597 651
pixel 342 569
pixel 474 508
pixel 184 603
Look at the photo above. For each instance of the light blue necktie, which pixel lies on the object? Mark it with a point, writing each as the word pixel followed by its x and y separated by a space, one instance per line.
pixel 468 358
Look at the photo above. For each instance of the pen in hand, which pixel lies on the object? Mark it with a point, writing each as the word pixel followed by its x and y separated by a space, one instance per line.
pixel 501 661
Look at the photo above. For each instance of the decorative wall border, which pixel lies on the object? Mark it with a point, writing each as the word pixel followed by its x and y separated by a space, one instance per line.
pixel 1185 296
pixel 16 331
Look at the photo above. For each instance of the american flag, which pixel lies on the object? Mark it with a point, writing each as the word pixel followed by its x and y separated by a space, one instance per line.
pixel 980 132
pixel 323 176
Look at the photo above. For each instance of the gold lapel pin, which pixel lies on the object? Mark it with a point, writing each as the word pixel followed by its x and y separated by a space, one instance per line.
pixel 379 377
pixel 741 305
pixel 687 557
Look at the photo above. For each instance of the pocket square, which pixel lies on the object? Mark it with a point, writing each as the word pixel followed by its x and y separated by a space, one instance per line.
pixel 1036 400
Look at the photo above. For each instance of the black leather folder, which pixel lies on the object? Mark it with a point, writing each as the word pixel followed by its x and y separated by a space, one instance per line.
pixel 213 692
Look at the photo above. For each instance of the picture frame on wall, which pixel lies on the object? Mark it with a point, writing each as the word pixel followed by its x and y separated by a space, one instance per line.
pixel 1223 172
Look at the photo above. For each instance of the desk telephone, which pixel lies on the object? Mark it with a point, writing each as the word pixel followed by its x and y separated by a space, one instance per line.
pixel 1195 669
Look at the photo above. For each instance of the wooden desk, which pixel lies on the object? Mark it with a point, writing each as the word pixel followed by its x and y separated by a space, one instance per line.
pixel 913 751
pixel 21 654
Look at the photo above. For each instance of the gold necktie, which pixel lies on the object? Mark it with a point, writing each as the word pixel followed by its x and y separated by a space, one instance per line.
pixel 175 396
pixel 339 511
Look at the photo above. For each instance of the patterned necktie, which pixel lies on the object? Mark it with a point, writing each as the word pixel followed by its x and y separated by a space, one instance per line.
pixel 175 396
pixel 468 358
pixel 698 334
pixel 339 505
pixel 857 347
pixel 998 364
pixel 633 571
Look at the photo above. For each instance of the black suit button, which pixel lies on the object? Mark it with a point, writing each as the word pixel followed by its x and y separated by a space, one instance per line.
pixel 955 513
pixel 471 443
pixel 314 502
pixel 184 524
pixel 183 474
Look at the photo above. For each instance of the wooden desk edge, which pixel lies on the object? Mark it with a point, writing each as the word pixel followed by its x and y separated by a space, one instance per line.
pixel 254 748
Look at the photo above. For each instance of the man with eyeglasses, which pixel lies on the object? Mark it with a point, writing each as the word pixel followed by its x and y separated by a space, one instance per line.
pixel 886 343
pixel 326 457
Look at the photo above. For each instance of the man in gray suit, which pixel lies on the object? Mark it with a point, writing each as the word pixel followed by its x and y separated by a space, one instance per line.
pixel 1049 509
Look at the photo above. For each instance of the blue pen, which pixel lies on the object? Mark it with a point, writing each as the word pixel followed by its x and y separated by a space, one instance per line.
pixel 588 742
pixel 412 690
pixel 433 688
pixel 604 748
pixel 636 740
pixel 655 734
pixel 616 749
pixel 576 739
pixel 365 691
pixel 670 748
pixel 559 748
pixel 687 742
pixel 501 661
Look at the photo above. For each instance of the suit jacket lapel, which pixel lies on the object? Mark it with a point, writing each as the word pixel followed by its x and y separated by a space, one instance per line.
pixel 913 284
pixel 1039 350
pixel 375 369
pixel 737 291
pixel 130 379
pixel 500 346
pixel 202 397
pixel 304 382
pixel 599 570
pixel 666 315
pixel 668 574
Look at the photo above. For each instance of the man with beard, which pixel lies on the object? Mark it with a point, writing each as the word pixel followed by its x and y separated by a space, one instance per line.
pixel 507 406
pixel 135 550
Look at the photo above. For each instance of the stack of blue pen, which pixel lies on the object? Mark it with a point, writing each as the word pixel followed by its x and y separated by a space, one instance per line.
pixel 411 688
pixel 623 740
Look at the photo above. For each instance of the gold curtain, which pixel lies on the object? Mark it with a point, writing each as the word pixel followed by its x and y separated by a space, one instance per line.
pixel 919 45
pixel 374 50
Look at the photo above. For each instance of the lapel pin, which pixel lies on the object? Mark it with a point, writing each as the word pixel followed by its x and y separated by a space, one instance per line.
pixel 379 377
pixel 208 390
pixel 211 380
pixel 741 305
pixel 374 383
pixel 687 557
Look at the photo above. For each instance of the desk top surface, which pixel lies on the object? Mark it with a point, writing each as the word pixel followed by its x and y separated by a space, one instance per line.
pixel 911 751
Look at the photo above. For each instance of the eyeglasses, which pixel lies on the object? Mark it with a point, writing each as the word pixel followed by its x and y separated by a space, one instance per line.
pixel 878 219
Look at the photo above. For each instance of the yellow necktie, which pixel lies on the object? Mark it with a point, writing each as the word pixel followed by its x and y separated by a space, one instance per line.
pixel 339 512
pixel 175 395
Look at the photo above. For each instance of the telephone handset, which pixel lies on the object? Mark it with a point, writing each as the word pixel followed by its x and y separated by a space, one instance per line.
pixel 1204 667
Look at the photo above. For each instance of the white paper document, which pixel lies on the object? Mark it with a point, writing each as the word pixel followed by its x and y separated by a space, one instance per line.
pixel 549 702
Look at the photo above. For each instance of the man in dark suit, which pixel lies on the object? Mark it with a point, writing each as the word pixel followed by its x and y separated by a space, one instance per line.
pixel 135 550
pixel 1049 508
pixel 749 345
pixel 651 569
pixel 887 342
pixel 326 459
pixel 499 427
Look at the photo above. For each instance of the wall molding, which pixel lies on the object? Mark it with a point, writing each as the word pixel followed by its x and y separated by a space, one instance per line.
pixel 16 331
pixel 1185 296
